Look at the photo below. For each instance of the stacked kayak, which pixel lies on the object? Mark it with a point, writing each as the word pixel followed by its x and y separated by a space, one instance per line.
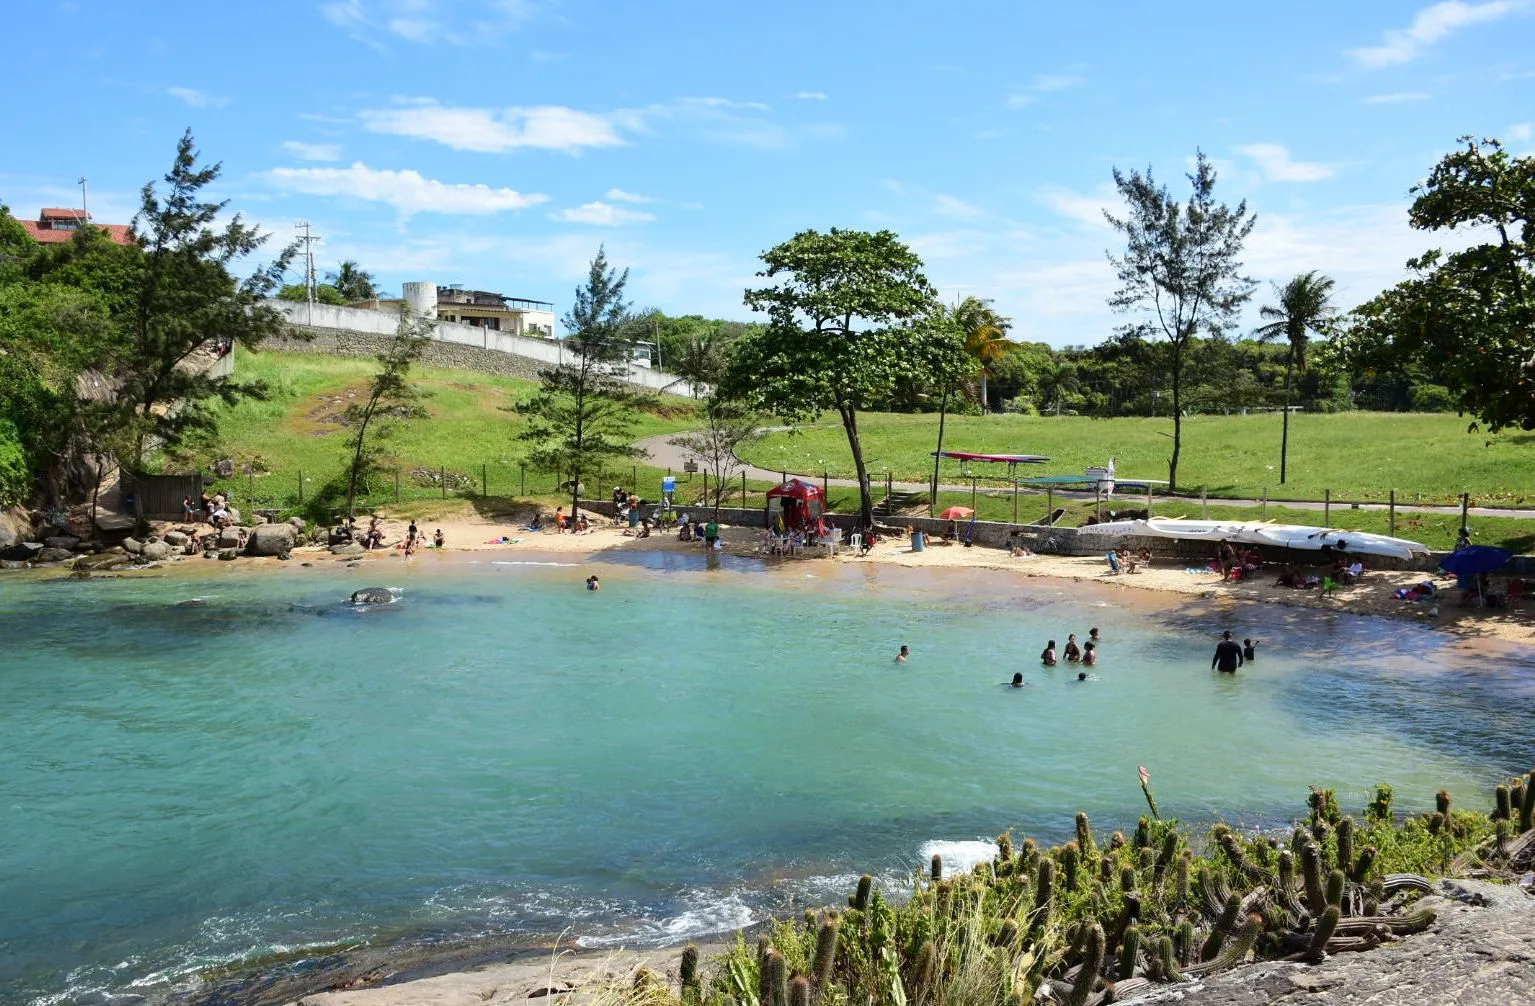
pixel 1293 536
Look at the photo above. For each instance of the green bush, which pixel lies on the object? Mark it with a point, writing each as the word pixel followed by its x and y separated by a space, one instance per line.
pixel 1431 398
pixel 15 476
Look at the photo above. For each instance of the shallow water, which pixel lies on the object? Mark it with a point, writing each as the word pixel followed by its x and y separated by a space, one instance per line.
pixel 503 753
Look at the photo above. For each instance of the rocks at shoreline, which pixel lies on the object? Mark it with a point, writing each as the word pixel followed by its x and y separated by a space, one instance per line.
pixel 271 540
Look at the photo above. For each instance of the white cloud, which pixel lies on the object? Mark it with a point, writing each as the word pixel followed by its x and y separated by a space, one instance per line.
pixel 1274 161
pixel 490 130
pixel 426 22
pixel 313 151
pixel 406 191
pixel 1084 209
pixel 755 106
pixel 1045 83
pixel 619 195
pixel 1521 132
pixel 1430 25
pixel 810 95
pixel 953 206
pixel 196 98
pixel 1395 98
pixel 602 215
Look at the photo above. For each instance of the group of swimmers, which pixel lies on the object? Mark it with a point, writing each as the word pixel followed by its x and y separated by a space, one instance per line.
pixel 1085 654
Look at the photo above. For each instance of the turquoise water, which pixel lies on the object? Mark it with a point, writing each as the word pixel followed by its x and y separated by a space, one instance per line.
pixel 502 753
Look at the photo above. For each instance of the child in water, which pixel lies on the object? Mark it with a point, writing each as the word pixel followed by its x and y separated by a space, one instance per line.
pixel 1048 657
pixel 1017 679
pixel 592 583
pixel 1249 649
pixel 1089 654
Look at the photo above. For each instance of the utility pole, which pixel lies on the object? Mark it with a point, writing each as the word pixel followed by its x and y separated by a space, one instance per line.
pixel 309 239
pixel 85 206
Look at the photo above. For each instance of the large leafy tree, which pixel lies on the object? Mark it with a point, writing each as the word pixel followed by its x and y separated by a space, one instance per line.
pixel 585 407
pixel 985 334
pixel 1305 308
pixel 850 317
pixel 1181 269
pixel 1466 316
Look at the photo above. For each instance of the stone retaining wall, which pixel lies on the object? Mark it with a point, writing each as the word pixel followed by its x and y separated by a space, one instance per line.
pixel 339 342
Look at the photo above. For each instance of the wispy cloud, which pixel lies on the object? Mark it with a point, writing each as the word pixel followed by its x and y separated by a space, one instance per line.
pixel 313 151
pixel 602 214
pixel 1521 132
pixel 619 195
pixel 427 22
pixel 1274 161
pixel 754 106
pixel 957 208
pixel 1396 98
pixel 1431 25
pixel 406 191
pixel 810 95
pixel 1084 209
pixel 495 130
pixel 197 99
pixel 1045 83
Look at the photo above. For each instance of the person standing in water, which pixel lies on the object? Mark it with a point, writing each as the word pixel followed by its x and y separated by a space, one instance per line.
pixel 900 658
pixel 1249 649
pixel 1073 651
pixel 1017 679
pixel 1093 637
pixel 1228 655
pixel 1089 654
pixel 1048 656
pixel 592 583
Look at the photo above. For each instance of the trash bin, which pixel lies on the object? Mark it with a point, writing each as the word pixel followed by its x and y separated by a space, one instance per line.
pixel 918 541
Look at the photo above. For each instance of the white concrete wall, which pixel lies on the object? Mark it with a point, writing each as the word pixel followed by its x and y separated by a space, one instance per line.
pixel 351 319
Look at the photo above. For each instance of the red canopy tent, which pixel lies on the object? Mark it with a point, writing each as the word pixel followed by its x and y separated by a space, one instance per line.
pixel 798 505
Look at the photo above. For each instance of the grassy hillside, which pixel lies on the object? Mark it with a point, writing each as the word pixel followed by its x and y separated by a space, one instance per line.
pixel 1357 455
pixel 469 431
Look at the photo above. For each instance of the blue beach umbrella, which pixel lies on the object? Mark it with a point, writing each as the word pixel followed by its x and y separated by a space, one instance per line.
pixel 1474 559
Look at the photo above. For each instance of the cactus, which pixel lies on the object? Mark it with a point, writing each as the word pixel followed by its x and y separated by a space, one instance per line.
pixel 1007 936
pixel 860 898
pixel 1127 878
pixel 1227 923
pixel 1311 874
pixel 935 871
pixel 825 954
pixel 1363 864
pixel 1286 871
pixel 1182 885
pixel 1146 857
pixel 1106 871
pixel 1069 860
pixel 1335 882
pixel 1379 810
pixel 773 988
pixel 1183 941
pixel 1116 841
pixel 1143 832
pixel 1127 916
pixel 926 972
pixel 1325 925
pixel 1527 805
pixel 1436 823
pixel 1129 951
pixel 1004 847
pixel 799 991
pixel 1167 960
pixel 1165 856
pixel 810 919
pixel 1044 893
pixel 1504 810
pixel 1092 963
pixel 1345 841
pixel 689 966
pixel 1085 836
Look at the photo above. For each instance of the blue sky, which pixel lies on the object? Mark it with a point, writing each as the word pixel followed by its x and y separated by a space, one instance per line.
pixel 497 143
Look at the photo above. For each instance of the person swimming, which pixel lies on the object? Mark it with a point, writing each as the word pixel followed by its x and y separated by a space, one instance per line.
pixel 1090 654
pixel 1081 675
pixel 1048 657
pixel 900 658
pixel 1073 651
pixel 592 583
pixel 1017 679
pixel 1092 635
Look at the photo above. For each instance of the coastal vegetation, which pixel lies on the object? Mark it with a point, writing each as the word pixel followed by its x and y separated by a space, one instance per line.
pixel 1099 919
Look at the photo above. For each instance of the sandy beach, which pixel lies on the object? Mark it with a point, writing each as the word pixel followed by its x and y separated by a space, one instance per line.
pixel 466 531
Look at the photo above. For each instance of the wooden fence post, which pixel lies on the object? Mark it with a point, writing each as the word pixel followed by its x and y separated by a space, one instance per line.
pixel 1327 508
pixel 1391 514
pixel 743 490
pixel 444 476
pixel 1204 504
pixel 397 485
pixel 522 478
pixel 301 487
pixel 484 479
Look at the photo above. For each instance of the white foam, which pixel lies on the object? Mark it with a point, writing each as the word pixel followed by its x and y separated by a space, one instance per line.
pixel 719 915
pixel 958 857
pixel 520 562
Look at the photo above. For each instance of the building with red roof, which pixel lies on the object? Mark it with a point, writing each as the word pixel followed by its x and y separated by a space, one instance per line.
pixel 56 225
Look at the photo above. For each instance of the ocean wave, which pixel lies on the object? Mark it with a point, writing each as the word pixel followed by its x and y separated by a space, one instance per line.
pixel 958 856
pixel 716 914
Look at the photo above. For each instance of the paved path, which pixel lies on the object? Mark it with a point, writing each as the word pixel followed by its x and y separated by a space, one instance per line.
pixel 663 454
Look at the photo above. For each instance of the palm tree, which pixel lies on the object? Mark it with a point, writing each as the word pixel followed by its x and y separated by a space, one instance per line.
pixel 1055 382
pixel 985 333
pixel 1305 306
pixel 353 282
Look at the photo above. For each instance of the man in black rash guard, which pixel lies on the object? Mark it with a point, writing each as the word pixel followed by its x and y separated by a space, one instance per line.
pixel 1228 654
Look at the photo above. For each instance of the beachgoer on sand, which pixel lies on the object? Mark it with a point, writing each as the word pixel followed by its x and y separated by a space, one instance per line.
pixel 1228 655
pixel 900 658
pixel 438 541
pixel 1047 657
pixel 711 533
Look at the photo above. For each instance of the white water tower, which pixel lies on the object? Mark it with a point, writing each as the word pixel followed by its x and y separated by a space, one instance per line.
pixel 420 299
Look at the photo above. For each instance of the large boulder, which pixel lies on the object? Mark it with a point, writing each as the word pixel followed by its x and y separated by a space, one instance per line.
pixel 298 524
pixel 229 537
pixel 175 538
pixel 65 541
pixel 133 546
pixel 374 595
pixel 270 539
pixel 101 562
pixel 22 551
pixel 158 551
pixel 53 555
pixel 349 549
pixel 228 553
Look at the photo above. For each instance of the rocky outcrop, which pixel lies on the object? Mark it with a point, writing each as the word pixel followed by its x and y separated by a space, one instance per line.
pixel 1480 951
pixel 65 542
pixel 21 551
pixel 157 551
pixel 133 546
pixel 352 548
pixel 229 537
pixel 373 595
pixel 176 539
pixel 271 539
pixel 53 555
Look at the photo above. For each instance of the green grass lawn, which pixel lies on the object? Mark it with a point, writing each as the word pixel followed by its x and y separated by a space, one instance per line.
pixel 468 431
pixel 1357 455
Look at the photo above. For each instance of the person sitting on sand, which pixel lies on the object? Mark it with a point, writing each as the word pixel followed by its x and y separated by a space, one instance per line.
pixel 644 528
pixel 592 583
pixel 685 532
pixel 1048 656
pixel 1089 654
pixel 1017 679
pixel 1073 651
pixel 438 541
pixel 1021 552
pixel 1288 576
